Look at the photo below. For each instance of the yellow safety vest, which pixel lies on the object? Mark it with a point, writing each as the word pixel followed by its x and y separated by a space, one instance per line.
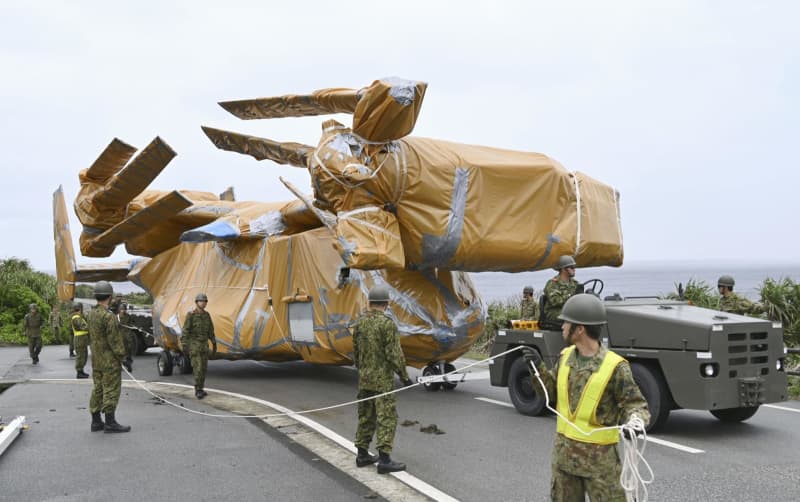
pixel 584 415
pixel 76 332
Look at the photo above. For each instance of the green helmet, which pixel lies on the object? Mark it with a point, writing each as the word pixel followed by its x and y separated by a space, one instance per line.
pixel 585 309
pixel 32 306
pixel 201 297
pixel 527 290
pixel 565 261
pixel 726 280
pixel 103 288
pixel 77 306
pixel 379 294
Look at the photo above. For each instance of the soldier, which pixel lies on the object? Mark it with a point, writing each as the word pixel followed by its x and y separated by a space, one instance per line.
pixel 377 356
pixel 529 310
pixel 56 326
pixel 557 291
pixel 108 354
pixel 733 303
pixel 115 303
pixel 598 385
pixel 32 326
pixel 79 332
pixel 127 333
pixel 198 329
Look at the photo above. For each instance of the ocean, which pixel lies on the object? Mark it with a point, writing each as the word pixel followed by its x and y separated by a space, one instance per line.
pixel 643 278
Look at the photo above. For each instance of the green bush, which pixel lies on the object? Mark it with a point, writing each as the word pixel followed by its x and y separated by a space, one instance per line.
pixel 498 316
pixel 20 286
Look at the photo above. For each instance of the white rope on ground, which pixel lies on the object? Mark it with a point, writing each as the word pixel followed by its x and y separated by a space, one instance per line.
pixel 142 384
pixel 631 480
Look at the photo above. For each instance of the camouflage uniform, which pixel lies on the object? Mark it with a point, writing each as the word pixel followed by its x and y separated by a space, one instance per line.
pixel 56 324
pixel 198 329
pixel 32 325
pixel 735 304
pixel 78 324
pixel 580 467
pixel 128 336
pixel 529 309
pixel 557 293
pixel 378 356
pixel 108 351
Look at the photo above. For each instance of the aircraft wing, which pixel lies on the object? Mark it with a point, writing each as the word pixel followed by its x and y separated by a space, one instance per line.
pixel 293 154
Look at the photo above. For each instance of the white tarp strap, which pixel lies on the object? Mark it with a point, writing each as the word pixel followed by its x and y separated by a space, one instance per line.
pixel 350 216
pixel 578 205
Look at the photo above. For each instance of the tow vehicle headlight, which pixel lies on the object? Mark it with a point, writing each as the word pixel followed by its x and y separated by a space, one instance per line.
pixel 779 364
pixel 709 370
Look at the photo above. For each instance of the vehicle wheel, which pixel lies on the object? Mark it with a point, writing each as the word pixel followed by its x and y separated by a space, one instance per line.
pixel 184 364
pixel 520 390
pixel 164 363
pixel 139 346
pixel 447 369
pixel 430 371
pixel 655 392
pixel 731 415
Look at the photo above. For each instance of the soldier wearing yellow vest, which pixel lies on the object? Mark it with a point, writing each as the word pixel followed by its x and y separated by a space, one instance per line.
pixel 80 334
pixel 594 388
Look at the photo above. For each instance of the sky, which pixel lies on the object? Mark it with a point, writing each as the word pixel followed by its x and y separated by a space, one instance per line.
pixel 686 107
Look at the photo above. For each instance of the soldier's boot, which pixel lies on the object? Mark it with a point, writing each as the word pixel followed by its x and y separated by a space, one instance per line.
pixel 200 394
pixel 81 374
pixel 97 422
pixel 113 426
pixel 364 458
pixel 386 464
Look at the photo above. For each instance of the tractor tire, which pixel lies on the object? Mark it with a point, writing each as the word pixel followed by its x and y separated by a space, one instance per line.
pixel 449 385
pixel 655 392
pixel 734 415
pixel 521 391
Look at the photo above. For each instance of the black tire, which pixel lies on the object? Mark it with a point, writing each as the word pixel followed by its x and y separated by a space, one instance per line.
pixel 164 363
pixel 447 369
pixel 430 371
pixel 520 389
pixel 184 364
pixel 733 415
pixel 139 345
pixel 655 392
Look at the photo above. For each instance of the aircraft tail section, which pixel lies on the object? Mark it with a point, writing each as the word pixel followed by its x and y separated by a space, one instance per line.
pixel 67 272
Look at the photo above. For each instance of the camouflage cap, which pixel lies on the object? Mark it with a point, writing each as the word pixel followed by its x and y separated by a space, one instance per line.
pixel 565 261
pixel 527 290
pixel 584 308
pixel 726 280
pixel 32 306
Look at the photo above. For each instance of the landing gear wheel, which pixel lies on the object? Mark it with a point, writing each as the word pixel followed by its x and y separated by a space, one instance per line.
pixel 138 345
pixel 184 363
pixel 449 385
pixel 733 415
pixel 431 370
pixel 164 363
pixel 521 391
pixel 655 393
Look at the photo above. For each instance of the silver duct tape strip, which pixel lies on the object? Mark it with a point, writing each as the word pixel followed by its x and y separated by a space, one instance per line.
pixel 403 91
pixel 439 251
pixel 233 263
pixel 217 210
pixel 348 249
pixel 551 239
pixel 615 194
pixel 270 223
pixel 237 325
pixel 262 317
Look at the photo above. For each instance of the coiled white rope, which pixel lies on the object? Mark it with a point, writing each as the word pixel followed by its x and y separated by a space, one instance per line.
pixel 630 479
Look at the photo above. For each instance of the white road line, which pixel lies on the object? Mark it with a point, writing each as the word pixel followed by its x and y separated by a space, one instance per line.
pixel 650 439
pixel 414 482
pixel 495 401
pixel 784 408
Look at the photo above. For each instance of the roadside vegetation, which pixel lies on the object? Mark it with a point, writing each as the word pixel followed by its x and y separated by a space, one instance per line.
pixel 780 299
pixel 21 285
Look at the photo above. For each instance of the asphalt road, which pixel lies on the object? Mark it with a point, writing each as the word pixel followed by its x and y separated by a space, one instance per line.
pixel 490 452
